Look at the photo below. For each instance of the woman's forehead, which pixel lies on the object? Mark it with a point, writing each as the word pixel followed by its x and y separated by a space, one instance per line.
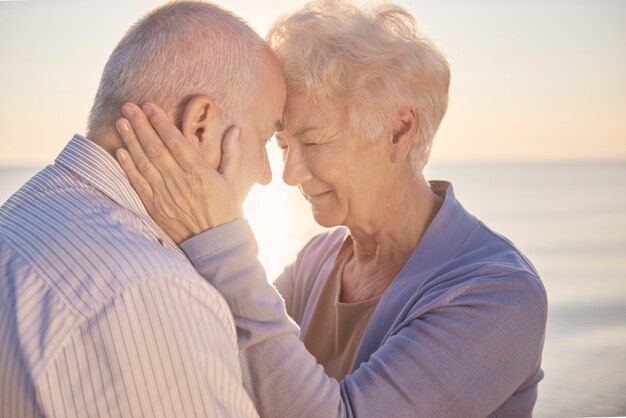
pixel 302 114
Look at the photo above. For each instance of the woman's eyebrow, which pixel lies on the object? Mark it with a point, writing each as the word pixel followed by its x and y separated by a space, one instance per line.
pixel 303 131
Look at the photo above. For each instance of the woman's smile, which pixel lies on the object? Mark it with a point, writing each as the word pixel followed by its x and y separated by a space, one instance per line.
pixel 316 197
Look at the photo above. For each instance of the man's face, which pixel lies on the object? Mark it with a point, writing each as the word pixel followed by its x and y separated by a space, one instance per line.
pixel 259 124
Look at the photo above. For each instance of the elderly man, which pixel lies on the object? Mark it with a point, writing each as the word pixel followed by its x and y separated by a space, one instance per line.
pixel 101 314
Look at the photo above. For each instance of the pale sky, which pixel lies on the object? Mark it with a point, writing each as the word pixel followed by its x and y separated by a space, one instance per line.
pixel 531 80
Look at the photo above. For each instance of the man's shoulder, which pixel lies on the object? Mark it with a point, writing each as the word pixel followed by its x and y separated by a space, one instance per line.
pixel 63 304
pixel 76 238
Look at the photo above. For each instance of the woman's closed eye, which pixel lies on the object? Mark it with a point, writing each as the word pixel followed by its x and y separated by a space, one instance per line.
pixel 312 144
pixel 312 141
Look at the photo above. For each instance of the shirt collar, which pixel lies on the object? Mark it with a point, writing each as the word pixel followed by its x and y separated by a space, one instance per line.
pixel 96 167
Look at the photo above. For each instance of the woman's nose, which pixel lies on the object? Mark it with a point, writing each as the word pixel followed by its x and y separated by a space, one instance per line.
pixel 296 170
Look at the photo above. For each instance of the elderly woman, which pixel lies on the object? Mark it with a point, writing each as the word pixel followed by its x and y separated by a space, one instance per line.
pixel 412 307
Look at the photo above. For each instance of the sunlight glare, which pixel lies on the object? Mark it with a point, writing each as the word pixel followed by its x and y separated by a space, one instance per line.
pixel 280 218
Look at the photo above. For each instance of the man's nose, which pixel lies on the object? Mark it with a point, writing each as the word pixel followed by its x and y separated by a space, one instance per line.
pixel 296 170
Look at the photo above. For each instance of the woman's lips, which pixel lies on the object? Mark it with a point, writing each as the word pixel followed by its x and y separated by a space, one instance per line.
pixel 317 196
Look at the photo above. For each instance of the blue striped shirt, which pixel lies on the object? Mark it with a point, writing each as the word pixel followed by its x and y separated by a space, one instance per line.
pixel 101 314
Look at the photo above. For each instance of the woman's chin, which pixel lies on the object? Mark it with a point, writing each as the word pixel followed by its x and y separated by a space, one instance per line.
pixel 326 220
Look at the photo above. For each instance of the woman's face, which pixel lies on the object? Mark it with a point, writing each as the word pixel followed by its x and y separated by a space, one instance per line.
pixel 343 176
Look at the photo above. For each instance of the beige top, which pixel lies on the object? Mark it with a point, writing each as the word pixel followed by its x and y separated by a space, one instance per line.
pixel 336 329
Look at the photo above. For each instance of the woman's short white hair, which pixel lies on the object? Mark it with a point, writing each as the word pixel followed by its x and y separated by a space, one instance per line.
pixel 178 50
pixel 373 60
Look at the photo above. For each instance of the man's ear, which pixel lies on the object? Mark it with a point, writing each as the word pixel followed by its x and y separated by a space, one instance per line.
pixel 201 124
pixel 403 135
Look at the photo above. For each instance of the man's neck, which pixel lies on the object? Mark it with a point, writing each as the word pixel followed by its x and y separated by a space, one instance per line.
pixel 109 140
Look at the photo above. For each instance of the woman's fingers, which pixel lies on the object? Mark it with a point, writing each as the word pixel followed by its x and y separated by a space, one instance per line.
pixel 142 140
pixel 230 165
pixel 137 180
pixel 157 203
pixel 178 146
pixel 182 192
pixel 231 162
pixel 150 154
pixel 140 160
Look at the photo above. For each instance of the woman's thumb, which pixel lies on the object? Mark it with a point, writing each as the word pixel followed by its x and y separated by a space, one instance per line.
pixel 230 165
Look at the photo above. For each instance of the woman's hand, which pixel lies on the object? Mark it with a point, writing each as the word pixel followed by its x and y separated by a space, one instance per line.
pixel 180 190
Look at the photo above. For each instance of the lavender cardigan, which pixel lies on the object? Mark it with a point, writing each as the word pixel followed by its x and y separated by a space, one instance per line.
pixel 459 332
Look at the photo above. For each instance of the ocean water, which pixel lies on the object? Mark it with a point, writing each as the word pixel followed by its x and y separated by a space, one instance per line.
pixel 569 219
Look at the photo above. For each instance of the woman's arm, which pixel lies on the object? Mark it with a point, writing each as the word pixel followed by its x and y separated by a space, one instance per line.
pixel 285 285
pixel 461 357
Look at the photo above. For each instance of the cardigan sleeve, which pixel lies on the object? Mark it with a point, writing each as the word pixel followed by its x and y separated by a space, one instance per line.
pixel 285 284
pixel 462 357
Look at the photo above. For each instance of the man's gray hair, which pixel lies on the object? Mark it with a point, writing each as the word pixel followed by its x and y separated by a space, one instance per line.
pixel 176 51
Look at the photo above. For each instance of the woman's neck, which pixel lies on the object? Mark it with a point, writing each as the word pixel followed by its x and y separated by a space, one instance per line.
pixel 383 245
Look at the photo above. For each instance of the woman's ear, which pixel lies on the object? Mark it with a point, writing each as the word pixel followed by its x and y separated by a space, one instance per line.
pixel 403 136
pixel 201 124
